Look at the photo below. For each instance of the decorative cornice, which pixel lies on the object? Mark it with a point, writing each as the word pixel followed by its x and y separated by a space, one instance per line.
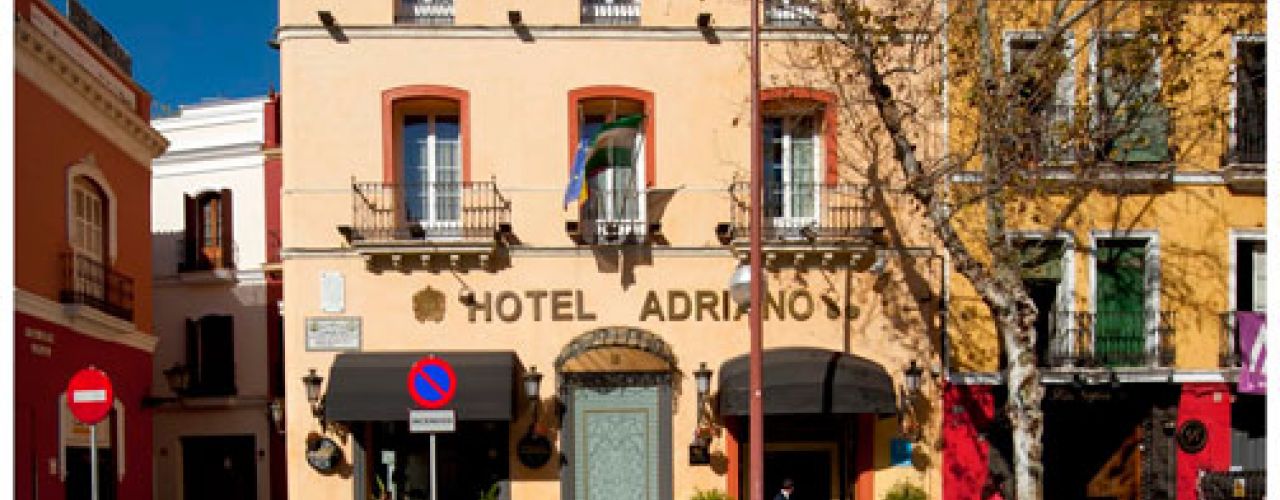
pixel 84 320
pixel 87 86
pixel 550 32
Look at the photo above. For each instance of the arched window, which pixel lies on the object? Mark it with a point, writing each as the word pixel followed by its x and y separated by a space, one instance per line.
pixel 88 219
pixel 612 151
pixel 798 126
pixel 426 153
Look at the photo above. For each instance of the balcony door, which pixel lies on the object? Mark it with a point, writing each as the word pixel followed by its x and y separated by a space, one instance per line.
pixel 89 238
pixel 1120 325
pixel 791 173
pixel 433 172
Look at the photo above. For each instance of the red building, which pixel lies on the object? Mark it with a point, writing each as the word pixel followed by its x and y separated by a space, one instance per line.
pixel 82 249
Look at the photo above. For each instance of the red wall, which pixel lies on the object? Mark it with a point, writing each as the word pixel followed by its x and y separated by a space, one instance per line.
pixel 1211 404
pixel 47 142
pixel 967 411
pixel 38 382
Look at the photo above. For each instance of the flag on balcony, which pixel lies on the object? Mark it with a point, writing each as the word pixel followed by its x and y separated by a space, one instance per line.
pixel 1252 328
pixel 613 145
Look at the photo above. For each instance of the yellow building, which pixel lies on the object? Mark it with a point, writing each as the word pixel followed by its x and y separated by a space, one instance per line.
pixel 1157 280
pixel 428 150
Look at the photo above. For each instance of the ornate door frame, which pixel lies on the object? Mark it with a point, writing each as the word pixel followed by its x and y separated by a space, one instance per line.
pixel 569 382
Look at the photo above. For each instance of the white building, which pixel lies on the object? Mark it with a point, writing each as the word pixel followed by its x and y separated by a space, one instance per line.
pixel 215 438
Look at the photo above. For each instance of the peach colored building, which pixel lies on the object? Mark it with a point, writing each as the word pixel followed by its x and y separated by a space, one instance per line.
pixel 428 151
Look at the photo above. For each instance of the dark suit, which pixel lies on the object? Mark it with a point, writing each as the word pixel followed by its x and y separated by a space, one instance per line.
pixel 780 496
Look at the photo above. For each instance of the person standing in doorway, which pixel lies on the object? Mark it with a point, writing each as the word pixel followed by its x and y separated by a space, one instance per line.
pixel 787 487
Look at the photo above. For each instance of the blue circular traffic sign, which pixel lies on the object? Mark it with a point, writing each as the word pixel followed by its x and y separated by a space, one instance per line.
pixel 432 382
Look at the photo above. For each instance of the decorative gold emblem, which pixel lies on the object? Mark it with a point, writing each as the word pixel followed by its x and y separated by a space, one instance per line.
pixel 428 304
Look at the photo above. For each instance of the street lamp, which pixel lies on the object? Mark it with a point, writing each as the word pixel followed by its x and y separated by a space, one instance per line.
pixel 755 316
pixel 911 379
pixel 703 378
pixel 178 378
pixel 532 381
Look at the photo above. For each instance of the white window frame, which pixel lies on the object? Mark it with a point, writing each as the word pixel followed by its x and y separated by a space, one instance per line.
pixel 1234 237
pixel 430 218
pixel 1095 58
pixel 787 220
pixel 1232 79
pixel 1065 89
pixel 605 216
pixel 1066 297
pixel 1151 280
pixel 87 167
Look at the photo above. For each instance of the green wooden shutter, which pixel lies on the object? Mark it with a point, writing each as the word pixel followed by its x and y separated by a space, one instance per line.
pixel 1119 327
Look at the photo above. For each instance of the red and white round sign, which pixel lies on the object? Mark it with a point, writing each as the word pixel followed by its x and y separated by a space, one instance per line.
pixel 89 395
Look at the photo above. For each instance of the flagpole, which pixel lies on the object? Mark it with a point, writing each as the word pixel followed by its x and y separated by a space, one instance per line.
pixel 756 308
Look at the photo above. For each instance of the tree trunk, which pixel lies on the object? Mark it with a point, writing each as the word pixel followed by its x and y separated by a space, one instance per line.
pixel 1026 417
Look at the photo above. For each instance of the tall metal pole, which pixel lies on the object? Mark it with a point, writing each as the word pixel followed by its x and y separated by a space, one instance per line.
pixel 93 462
pixel 434 484
pixel 754 317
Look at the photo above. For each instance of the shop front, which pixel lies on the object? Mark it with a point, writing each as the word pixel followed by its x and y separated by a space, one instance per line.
pixel 368 398
pixel 820 410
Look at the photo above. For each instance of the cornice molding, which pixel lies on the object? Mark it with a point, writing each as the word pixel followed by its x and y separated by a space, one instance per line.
pixel 550 32
pixel 83 320
pixel 43 52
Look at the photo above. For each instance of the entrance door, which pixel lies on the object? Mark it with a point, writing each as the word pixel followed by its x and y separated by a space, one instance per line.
pixel 1120 328
pixel 809 470
pixel 618 438
pixel 219 467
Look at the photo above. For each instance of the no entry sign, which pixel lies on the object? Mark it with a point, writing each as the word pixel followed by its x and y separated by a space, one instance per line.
pixel 89 395
pixel 432 382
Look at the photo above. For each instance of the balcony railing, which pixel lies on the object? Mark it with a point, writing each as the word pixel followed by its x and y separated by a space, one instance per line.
pixel 1113 339
pixel 89 282
pixel 805 212
pixel 462 212
pixel 1229 342
pixel 1048 137
pixel 611 12
pixel 614 216
pixel 434 12
pixel 790 13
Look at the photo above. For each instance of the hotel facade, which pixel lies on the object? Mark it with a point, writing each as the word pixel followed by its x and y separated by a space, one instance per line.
pixel 427 157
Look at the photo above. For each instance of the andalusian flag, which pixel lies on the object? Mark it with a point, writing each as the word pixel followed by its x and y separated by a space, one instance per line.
pixel 613 145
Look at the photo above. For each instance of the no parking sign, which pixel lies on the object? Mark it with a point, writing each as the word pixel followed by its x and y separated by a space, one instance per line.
pixel 432 382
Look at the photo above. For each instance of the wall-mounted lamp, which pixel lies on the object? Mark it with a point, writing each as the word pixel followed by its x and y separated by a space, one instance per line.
pixel 275 411
pixel 532 382
pixel 178 378
pixel 700 448
pixel 911 379
pixel 702 376
pixel 312 382
pixel 514 17
pixel 704 20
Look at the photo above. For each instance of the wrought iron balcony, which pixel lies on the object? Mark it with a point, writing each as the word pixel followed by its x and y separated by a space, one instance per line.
pixel 611 12
pixel 441 213
pixel 1248 138
pixel 804 214
pixel 1229 342
pixel 790 13
pixel 614 217
pixel 432 12
pixel 89 282
pixel 1117 339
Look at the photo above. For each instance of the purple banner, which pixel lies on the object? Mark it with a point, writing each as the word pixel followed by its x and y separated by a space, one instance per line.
pixel 1251 328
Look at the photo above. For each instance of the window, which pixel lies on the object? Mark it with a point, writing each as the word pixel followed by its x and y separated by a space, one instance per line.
pixel 611 132
pixel 1046 89
pixel 1249 132
pixel 1046 267
pixel 791 170
pixel 88 219
pixel 1125 301
pixel 790 13
pixel 208 243
pixel 211 356
pixel 433 12
pixel 1251 275
pixel 432 168
pixel 1130 120
pixel 611 12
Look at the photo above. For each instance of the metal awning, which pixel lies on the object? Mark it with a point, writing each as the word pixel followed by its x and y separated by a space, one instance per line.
pixel 808 381
pixel 373 386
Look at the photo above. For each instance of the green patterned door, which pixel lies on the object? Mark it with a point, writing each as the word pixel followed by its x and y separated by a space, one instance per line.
pixel 617 433
pixel 1119 330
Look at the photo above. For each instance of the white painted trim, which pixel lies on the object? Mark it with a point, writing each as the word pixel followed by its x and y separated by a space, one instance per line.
pixel 1234 235
pixel 1066 298
pixel 561 32
pixel 1094 58
pixel 84 320
pixel 976 378
pixel 1067 81
pixel 88 167
pixel 1232 72
pixel 1151 280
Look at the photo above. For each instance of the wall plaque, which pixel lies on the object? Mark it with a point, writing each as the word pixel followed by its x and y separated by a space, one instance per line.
pixel 1193 436
pixel 534 450
pixel 332 292
pixel 333 334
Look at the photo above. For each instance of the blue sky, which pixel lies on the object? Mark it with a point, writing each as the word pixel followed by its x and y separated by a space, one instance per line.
pixel 185 52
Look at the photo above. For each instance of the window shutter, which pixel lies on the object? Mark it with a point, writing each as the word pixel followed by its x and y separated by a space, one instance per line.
pixel 191 233
pixel 228 244
pixel 193 355
pixel 218 339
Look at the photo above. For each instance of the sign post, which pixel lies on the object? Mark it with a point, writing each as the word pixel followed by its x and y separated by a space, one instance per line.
pixel 432 384
pixel 89 397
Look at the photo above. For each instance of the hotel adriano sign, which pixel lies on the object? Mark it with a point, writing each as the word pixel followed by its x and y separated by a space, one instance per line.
pixel 564 305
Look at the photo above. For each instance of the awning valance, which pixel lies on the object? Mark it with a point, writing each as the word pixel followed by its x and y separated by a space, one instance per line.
pixel 808 381
pixel 373 386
